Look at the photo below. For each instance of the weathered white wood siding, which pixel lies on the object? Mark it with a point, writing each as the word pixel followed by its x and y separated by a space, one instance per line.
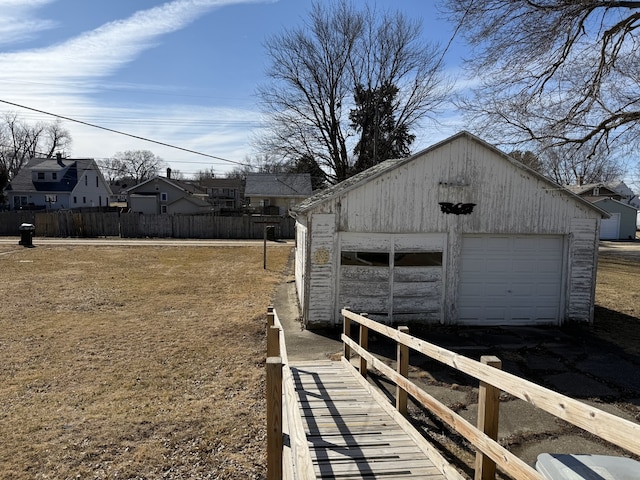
pixel 508 199
pixel 301 259
pixel 321 277
pixel 582 268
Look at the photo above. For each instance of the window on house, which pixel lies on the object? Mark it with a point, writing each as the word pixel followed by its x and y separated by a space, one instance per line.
pixel 54 175
pixel 97 181
pixel 163 197
pixel 418 259
pixel 84 199
pixel 86 180
pixel 371 259
pixel 40 175
pixel 596 191
pixel 163 209
pixel 75 199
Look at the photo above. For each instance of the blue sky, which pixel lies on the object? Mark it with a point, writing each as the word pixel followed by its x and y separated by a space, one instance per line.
pixel 182 72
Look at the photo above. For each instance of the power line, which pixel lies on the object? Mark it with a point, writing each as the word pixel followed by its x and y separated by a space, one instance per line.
pixel 138 137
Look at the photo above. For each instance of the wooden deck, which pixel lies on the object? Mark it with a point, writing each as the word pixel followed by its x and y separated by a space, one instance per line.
pixel 350 434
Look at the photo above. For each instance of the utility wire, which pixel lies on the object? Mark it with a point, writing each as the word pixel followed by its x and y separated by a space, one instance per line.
pixel 125 133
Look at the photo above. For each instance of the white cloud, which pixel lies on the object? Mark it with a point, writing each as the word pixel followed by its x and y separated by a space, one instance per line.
pixel 61 79
pixel 17 20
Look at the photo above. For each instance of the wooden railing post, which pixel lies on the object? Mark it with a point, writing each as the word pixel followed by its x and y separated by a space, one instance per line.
pixel 270 316
pixel 403 369
pixel 346 329
pixel 274 418
pixel 273 341
pixel 363 341
pixel 488 413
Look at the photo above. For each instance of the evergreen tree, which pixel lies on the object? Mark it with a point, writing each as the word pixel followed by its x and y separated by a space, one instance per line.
pixel 381 136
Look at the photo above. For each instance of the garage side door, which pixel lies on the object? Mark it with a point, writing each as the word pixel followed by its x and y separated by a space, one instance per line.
pixel 510 280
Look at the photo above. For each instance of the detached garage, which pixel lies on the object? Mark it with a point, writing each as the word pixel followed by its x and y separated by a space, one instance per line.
pixel 459 233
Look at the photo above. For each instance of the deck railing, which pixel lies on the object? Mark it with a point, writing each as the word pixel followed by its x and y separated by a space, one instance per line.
pixel 490 453
pixel 288 455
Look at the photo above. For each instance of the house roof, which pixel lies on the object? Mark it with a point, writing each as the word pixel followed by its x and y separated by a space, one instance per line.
pixel 605 200
pixel 220 182
pixel 588 187
pixel 175 183
pixel 68 168
pixel 388 165
pixel 278 185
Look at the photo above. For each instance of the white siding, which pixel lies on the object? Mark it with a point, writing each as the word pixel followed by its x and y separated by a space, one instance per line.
pixel 583 264
pixel 320 309
pixel 300 262
pixel 508 199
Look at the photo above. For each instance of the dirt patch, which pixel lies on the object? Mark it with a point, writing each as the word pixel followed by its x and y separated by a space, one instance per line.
pixel 134 362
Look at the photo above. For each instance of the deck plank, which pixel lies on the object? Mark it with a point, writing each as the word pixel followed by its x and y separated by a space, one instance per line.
pixel 350 435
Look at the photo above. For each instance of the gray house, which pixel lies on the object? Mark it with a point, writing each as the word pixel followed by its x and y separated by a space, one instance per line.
pixel 160 195
pixel 278 192
pixel 58 183
pixel 460 233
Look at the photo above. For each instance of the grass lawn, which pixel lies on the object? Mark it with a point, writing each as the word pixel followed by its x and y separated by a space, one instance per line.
pixel 134 362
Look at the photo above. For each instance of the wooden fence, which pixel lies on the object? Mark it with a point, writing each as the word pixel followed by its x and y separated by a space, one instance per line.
pixel 490 453
pixel 136 225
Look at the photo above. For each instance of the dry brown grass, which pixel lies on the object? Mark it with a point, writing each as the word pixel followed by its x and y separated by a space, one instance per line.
pixel 617 315
pixel 134 362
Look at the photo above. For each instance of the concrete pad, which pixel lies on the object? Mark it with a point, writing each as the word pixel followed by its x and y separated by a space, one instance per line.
pixel 576 385
pixel 624 374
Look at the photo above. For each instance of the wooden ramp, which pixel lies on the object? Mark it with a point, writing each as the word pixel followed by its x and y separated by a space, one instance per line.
pixel 350 435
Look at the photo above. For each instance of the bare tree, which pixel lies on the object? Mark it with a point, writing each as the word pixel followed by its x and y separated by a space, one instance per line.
pixel 137 165
pixel 20 141
pixel 112 169
pixel 264 163
pixel 553 72
pixel 206 174
pixel 315 70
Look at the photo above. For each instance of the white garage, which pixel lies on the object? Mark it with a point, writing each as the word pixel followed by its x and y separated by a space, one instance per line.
pixel 459 233
pixel 515 279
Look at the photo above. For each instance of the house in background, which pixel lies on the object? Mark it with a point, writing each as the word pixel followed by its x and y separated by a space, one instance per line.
pixel 224 194
pixel 160 195
pixel 58 183
pixel 276 193
pixel 460 233
pixel 619 202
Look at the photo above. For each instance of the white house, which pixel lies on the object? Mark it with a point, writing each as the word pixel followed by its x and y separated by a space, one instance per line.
pixel 459 233
pixel 58 183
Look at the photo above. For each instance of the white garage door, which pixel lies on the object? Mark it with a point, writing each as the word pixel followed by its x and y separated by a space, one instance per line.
pixel 510 280
pixel 610 227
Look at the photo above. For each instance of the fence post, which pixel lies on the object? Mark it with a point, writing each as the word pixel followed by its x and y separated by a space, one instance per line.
pixel 364 343
pixel 270 316
pixel 274 418
pixel 402 362
pixel 273 341
pixel 488 413
pixel 346 330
